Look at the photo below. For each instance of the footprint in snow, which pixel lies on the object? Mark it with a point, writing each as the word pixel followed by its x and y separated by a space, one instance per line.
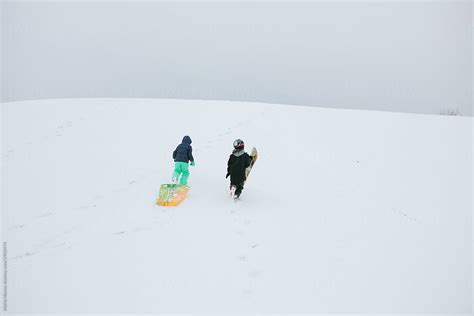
pixel 45 215
pixel 16 227
pixel 59 245
pixel 406 215
pixel 70 230
pixel 63 246
pixel 27 254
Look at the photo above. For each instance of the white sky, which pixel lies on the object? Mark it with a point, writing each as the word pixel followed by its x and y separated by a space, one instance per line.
pixel 397 56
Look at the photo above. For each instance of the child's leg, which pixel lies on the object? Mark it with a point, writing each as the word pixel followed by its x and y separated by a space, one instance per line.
pixel 239 189
pixel 177 171
pixel 185 174
pixel 233 187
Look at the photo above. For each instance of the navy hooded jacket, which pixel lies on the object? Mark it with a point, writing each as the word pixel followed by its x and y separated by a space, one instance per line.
pixel 184 151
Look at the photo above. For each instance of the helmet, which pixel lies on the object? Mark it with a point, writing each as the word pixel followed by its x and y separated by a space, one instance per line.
pixel 238 144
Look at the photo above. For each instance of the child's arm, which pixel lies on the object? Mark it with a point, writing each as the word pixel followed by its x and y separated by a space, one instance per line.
pixel 229 163
pixel 190 154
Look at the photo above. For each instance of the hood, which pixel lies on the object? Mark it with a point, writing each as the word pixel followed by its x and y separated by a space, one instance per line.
pixel 187 140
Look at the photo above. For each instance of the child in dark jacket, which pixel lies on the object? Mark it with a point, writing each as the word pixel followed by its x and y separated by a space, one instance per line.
pixel 182 155
pixel 239 160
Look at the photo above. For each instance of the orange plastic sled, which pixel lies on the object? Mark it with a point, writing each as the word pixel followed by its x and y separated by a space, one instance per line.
pixel 172 194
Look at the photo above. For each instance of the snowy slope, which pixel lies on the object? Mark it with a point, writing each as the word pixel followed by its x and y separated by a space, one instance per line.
pixel 345 211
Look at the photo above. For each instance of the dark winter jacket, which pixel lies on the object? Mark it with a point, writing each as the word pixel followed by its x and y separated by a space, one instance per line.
pixel 184 151
pixel 238 162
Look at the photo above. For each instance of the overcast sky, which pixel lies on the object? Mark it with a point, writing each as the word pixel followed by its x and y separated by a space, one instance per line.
pixel 395 56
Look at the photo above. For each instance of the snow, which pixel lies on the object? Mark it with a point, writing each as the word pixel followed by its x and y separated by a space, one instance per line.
pixel 345 211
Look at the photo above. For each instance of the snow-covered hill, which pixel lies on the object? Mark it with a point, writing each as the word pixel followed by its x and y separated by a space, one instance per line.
pixel 345 211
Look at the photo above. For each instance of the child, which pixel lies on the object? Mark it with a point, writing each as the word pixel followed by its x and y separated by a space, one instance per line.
pixel 182 155
pixel 239 160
